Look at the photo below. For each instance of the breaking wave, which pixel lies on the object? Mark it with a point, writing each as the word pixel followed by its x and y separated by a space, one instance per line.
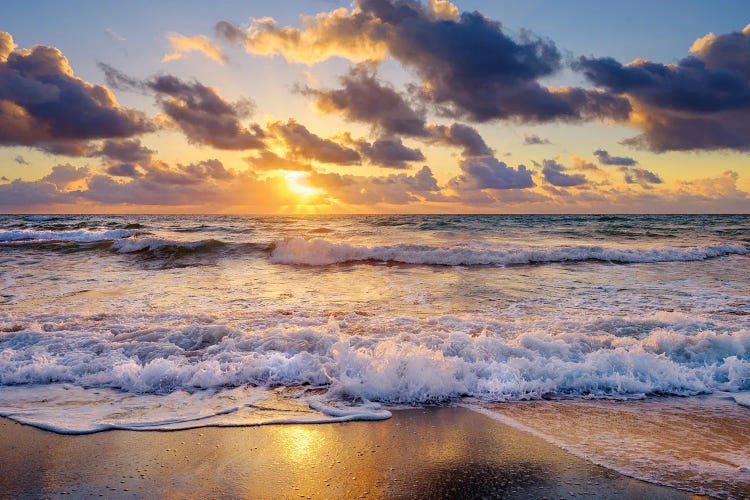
pixel 436 365
pixel 67 236
pixel 320 252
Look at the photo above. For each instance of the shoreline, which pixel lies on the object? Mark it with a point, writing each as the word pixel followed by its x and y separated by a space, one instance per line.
pixel 419 453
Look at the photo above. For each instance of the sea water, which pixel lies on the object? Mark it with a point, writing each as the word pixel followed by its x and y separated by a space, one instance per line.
pixel 168 322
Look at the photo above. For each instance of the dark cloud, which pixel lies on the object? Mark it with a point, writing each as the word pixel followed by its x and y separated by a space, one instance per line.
pixel 388 152
pixel 21 160
pixel 606 159
pixel 119 80
pixel 459 135
pixel 128 151
pixel 468 65
pixel 43 104
pixel 700 102
pixel 555 173
pixel 302 143
pixel 75 148
pixel 204 116
pixel 640 176
pixel 198 110
pixel 124 170
pixel 229 32
pixel 533 140
pixel 364 98
pixel 487 172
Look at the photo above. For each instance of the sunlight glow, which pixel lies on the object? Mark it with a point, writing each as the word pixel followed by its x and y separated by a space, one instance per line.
pixel 296 183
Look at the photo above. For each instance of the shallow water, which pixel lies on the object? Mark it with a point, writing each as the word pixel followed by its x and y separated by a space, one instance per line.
pixel 152 322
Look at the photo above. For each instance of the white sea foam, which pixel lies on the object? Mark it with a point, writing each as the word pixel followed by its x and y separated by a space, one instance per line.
pixel 742 398
pixel 435 365
pixel 68 409
pixel 79 236
pixel 317 252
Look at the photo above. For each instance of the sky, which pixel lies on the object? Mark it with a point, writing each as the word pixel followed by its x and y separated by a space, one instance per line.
pixel 375 106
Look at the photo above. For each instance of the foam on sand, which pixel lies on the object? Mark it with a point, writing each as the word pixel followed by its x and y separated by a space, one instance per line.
pixel 698 444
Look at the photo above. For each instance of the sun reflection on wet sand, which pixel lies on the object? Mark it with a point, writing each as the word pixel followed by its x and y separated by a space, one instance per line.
pixel 432 453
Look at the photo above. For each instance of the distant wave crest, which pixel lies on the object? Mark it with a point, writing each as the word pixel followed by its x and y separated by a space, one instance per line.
pixel 71 236
pixel 320 252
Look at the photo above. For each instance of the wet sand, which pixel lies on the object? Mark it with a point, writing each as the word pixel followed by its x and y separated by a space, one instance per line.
pixel 431 453
pixel 698 444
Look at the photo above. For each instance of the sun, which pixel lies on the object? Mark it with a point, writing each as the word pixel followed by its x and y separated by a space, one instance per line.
pixel 296 183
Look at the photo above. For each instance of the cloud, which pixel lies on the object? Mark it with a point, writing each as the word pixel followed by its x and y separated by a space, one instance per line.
pixel 114 35
pixel 301 143
pixel 468 65
pixel 7 45
pixel 43 104
pixel 335 33
pixel 63 175
pixel 124 170
pixel 21 160
pixel 584 165
pixel 459 135
pixel 533 140
pixel 127 150
pixel 364 98
pixel 388 152
pixel 640 176
pixel 206 183
pixel 605 159
pixel 555 173
pixel 21 194
pixel 487 172
pixel 202 114
pixel 701 102
pixel 182 45
pixel 723 187
pixel 396 189
pixel 49 190
pixel 268 160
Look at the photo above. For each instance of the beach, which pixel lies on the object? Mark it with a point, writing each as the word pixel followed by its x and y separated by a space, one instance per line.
pixel 421 453
pixel 375 249
pixel 621 340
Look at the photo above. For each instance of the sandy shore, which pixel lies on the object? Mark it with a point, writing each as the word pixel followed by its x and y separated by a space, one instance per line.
pixel 432 453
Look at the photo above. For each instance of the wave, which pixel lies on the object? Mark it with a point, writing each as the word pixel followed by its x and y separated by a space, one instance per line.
pixel 165 246
pixel 124 241
pixel 320 252
pixel 41 218
pixel 435 365
pixel 81 236
pixel 145 363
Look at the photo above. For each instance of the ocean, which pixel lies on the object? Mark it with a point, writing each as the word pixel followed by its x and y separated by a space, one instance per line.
pixel 623 339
